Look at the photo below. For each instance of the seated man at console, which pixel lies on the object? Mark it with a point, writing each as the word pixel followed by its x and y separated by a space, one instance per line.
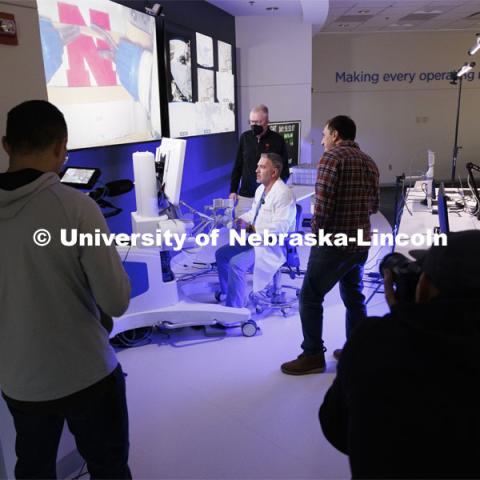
pixel 273 210
pixel 405 400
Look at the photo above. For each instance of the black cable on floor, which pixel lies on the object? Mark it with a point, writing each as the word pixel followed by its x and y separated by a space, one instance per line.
pixel 137 337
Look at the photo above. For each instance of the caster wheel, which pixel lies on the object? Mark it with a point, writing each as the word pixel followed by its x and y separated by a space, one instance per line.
pixel 258 309
pixel 249 329
pixel 285 311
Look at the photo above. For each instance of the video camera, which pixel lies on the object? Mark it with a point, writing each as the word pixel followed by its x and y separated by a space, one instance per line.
pixel 405 275
pixel 85 178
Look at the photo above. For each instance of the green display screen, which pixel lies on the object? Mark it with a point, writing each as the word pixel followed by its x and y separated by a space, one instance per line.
pixel 290 131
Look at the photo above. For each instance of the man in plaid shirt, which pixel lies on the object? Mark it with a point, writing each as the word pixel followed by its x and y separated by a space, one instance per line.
pixel 346 194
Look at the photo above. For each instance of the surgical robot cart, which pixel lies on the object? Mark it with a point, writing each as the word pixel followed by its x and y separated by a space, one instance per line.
pixel 161 302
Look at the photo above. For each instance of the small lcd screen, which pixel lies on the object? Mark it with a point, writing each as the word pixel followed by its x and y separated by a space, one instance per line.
pixel 80 177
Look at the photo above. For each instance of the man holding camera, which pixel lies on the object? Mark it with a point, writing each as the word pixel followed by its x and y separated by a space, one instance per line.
pixel 405 402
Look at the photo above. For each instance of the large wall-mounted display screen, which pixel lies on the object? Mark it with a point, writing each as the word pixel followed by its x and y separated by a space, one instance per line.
pixel 201 90
pixel 101 68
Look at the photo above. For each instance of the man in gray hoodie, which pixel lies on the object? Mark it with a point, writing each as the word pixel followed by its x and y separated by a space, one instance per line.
pixel 56 362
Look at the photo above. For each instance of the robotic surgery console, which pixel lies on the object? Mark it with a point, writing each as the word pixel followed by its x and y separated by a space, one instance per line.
pixel 158 181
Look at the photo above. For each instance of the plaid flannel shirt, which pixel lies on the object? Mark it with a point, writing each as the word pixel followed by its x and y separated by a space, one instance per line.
pixel 346 193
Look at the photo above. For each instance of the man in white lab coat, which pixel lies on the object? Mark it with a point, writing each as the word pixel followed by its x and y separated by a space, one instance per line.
pixel 273 211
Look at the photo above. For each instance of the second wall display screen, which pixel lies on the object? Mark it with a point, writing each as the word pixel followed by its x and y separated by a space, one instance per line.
pixel 201 90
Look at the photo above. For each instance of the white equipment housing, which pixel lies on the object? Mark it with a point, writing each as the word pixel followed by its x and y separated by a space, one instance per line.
pixel 161 304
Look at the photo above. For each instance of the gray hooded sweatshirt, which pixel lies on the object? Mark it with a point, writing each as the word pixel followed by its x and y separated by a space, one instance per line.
pixel 52 343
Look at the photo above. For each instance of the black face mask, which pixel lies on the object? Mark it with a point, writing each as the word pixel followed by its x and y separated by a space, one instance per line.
pixel 257 129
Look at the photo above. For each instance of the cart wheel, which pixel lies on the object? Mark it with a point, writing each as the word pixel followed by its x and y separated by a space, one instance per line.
pixel 249 328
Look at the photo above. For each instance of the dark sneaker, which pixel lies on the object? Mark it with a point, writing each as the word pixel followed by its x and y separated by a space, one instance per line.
pixel 337 354
pixel 304 365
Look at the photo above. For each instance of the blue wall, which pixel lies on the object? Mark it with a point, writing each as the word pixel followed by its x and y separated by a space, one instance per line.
pixel 208 160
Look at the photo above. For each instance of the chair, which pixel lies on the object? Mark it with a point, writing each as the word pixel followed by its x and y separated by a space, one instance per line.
pixel 275 296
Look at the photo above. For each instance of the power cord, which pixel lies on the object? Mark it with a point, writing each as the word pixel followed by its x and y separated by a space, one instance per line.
pixel 137 337
pixel 204 271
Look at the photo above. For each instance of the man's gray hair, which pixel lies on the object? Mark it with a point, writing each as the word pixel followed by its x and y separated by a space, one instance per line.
pixel 276 160
pixel 261 108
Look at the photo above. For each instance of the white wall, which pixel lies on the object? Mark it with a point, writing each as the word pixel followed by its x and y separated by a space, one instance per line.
pixel 398 121
pixel 274 66
pixel 22 78
pixel 22 75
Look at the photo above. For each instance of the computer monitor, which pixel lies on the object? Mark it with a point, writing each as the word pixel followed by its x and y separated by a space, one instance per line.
pixel 430 174
pixel 443 210
pixel 169 160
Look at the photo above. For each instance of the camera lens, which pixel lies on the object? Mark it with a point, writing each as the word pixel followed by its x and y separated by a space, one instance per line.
pixel 394 262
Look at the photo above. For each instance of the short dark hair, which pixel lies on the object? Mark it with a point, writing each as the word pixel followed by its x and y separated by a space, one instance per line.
pixel 33 126
pixel 276 159
pixel 345 126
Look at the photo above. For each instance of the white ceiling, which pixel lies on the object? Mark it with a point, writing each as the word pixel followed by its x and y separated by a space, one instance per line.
pixel 245 8
pixel 366 15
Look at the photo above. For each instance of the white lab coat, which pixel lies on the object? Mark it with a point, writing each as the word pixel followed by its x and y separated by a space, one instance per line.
pixel 277 215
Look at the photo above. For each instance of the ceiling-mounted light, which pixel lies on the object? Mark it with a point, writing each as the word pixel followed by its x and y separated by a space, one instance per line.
pixel 428 12
pixel 465 69
pixel 271 9
pixel 476 47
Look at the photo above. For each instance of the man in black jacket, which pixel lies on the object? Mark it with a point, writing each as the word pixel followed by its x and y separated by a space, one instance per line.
pixel 253 143
pixel 405 402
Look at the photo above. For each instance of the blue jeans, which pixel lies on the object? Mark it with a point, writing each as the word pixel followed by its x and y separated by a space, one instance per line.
pixel 98 419
pixel 233 263
pixel 326 267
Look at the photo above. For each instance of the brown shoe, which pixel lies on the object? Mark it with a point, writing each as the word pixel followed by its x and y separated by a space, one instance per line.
pixel 337 354
pixel 304 365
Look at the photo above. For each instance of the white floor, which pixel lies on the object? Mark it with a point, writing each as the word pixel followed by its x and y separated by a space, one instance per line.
pixel 218 407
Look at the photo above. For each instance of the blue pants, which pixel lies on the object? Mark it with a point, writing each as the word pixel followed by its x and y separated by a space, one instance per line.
pixel 233 263
pixel 326 267
pixel 97 418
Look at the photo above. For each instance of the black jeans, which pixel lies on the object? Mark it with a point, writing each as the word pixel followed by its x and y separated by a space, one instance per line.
pixel 326 267
pixel 97 418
